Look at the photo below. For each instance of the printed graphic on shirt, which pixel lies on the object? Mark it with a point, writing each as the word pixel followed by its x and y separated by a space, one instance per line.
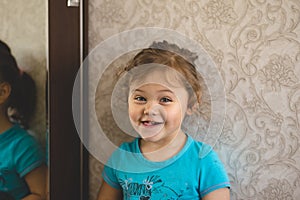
pixel 152 187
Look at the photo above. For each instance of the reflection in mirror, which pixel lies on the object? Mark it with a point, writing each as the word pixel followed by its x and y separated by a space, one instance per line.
pixel 23 168
pixel 22 111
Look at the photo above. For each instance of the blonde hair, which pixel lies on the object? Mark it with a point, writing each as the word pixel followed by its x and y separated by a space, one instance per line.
pixel 172 56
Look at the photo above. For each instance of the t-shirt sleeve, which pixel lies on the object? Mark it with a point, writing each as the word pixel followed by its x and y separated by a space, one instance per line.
pixel 28 155
pixel 110 171
pixel 110 178
pixel 213 175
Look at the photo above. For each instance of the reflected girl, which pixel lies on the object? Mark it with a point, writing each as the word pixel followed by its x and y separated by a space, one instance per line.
pixel 22 161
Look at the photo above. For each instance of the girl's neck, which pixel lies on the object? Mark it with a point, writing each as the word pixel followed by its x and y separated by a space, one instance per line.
pixel 5 124
pixel 164 150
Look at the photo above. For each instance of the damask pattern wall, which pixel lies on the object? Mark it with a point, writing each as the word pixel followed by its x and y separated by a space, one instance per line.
pixel 23 28
pixel 256 47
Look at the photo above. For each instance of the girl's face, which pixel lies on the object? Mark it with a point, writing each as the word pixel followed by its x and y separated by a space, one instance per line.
pixel 157 108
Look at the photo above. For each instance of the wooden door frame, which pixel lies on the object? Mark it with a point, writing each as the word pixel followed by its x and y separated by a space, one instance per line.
pixel 68 163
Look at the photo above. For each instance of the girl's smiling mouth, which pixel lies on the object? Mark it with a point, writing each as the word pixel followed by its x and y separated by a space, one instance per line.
pixel 149 123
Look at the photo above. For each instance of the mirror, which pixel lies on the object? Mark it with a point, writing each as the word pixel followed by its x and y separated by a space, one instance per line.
pixel 24 30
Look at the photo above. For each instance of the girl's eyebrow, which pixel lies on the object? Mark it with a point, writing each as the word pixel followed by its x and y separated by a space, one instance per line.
pixel 164 90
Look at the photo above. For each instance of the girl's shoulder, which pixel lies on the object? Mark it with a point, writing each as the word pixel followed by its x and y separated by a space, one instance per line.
pixel 132 146
pixel 17 135
pixel 204 151
pixel 13 132
pixel 18 131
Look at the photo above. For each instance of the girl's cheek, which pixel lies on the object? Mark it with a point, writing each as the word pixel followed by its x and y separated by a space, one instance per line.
pixel 175 115
pixel 132 113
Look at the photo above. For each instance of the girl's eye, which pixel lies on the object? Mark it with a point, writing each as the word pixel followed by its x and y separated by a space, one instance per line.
pixel 139 99
pixel 165 100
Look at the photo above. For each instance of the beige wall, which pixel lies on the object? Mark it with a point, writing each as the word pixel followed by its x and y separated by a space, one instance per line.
pixel 23 28
pixel 256 46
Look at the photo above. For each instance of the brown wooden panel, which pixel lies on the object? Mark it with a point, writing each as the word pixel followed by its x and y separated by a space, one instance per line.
pixel 64 62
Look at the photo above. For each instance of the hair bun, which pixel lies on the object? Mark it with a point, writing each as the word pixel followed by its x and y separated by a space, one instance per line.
pixel 164 45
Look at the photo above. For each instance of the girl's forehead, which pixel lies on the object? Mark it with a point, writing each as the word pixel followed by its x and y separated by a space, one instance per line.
pixel 154 87
pixel 156 74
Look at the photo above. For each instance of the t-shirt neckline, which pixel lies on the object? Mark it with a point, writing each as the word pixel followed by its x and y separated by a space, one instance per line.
pixel 142 158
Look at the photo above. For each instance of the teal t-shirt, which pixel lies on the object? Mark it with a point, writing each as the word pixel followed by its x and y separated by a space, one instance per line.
pixel 20 153
pixel 188 175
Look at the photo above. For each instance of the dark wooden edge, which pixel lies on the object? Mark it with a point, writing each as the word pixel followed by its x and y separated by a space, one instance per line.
pixel 68 163
pixel 84 152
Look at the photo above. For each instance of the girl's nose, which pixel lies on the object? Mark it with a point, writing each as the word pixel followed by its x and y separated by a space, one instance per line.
pixel 151 108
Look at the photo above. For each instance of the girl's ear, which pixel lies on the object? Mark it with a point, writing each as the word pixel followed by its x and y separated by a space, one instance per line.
pixel 192 108
pixel 5 90
pixel 193 105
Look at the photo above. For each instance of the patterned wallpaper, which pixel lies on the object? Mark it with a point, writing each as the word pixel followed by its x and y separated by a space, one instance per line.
pixel 23 28
pixel 256 47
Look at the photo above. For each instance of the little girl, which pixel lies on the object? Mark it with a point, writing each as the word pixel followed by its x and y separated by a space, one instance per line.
pixel 22 168
pixel 164 162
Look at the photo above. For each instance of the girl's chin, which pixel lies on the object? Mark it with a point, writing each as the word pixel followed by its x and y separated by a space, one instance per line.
pixel 148 132
pixel 149 136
